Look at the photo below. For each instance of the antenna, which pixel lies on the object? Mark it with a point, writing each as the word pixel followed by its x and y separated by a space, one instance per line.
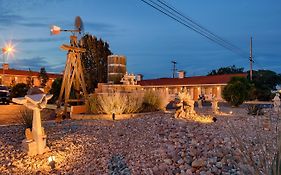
pixel 251 60
pixel 174 68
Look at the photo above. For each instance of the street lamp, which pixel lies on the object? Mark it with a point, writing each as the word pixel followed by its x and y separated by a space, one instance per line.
pixel 7 49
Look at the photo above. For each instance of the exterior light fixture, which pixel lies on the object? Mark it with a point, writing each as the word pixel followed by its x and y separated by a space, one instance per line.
pixel 230 112
pixel 52 162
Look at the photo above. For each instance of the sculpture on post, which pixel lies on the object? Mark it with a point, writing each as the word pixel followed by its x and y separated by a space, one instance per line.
pixel 200 102
pixel 276 103
pixel 215 107
pixel 35 142
pixel 185 106
pixel 186 110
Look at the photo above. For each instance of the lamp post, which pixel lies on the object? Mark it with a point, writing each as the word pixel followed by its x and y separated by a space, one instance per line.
pixel 9 48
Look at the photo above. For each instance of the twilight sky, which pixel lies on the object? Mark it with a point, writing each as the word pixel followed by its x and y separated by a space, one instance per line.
pixel 148 39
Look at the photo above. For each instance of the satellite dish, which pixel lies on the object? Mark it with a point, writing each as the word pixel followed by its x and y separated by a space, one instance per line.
pixel 79 24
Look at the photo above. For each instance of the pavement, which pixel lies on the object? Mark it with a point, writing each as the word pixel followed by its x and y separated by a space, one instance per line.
pixel 9 114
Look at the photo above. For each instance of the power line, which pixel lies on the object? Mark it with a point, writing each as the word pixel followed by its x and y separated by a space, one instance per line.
pixel 200 27
pixel 202 31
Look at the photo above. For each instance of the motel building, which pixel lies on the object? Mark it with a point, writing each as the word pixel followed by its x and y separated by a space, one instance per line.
pixel 10 77
pixel 197 85
pixel 208 86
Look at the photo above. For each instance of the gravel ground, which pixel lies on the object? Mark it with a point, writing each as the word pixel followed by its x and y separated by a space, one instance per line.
pixel 155 143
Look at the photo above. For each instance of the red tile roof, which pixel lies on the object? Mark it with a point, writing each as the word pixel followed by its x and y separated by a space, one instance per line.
pixel 214 79
pixel 27 73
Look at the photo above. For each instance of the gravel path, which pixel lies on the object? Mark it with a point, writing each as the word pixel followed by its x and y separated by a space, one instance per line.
pixel 152 144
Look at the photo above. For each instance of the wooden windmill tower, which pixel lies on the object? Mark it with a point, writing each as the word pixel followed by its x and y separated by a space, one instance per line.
pixel 73 76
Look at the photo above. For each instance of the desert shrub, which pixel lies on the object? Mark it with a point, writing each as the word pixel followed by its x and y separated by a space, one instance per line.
pixel 134 103
pixel 19 90
pixel 93 104
pixel 236 91
pixel 25 118
pixel 275 168
pixel 119 103
pixel 254 109
pixel 154 101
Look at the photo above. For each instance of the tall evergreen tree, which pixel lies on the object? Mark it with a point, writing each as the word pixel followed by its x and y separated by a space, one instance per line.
pixel 43 77
pixel 29 80
pixel 94 61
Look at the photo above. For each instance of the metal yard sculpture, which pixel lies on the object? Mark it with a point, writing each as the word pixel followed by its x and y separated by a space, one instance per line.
pixel 73 76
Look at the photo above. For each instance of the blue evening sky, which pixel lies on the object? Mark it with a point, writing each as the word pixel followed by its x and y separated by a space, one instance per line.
pixel 148 39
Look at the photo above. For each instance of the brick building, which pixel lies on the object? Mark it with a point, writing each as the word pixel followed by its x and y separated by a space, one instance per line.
pixel 10 77
pixel 198 85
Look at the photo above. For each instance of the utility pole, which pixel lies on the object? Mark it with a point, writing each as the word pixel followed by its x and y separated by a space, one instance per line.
pixel 174 68
pixel 251 59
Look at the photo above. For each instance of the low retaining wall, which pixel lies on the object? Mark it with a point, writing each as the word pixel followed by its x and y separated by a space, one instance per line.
pixel 109 117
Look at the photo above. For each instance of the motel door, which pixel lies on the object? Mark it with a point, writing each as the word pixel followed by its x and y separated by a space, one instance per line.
pixel 195 94
pixel 214 91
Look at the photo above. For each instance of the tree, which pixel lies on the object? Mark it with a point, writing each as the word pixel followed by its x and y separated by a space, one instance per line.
pixel 264 82
pixel 236 91
pixel 19 90
pixel 94 61
pixel 29 80
pixel 43 77
pixel 227 70
pixel 55 89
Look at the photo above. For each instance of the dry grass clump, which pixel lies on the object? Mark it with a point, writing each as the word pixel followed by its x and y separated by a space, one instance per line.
pixel 127 103
pixel 117 103
pixel 25 118
pixel 154 101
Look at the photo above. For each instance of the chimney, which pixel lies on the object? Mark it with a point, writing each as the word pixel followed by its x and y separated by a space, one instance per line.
pixel 5 66
pixel 139 77
pixel 181 74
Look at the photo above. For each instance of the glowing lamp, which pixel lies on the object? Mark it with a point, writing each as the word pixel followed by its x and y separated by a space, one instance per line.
pixel 52 162
pixel 55 30
pixel 230 112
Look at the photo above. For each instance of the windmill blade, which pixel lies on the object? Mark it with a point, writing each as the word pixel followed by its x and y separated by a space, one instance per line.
pixel 79 24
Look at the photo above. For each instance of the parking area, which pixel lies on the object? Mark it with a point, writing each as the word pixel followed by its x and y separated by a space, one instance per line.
pixel 9 114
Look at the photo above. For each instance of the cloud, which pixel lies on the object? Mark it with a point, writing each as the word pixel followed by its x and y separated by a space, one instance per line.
pixel 98 26
pixel 41 40
pixel 35 64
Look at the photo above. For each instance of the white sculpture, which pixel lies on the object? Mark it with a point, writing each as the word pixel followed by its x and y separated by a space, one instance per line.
pixel 215 106
pixel 185 106
pixel 35 142
pixel 276 102
pixel 200 102
pixel 129 79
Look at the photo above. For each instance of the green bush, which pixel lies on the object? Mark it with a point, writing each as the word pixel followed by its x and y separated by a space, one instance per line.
pixel 236 91
pixel 19 90
pixel 55 90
